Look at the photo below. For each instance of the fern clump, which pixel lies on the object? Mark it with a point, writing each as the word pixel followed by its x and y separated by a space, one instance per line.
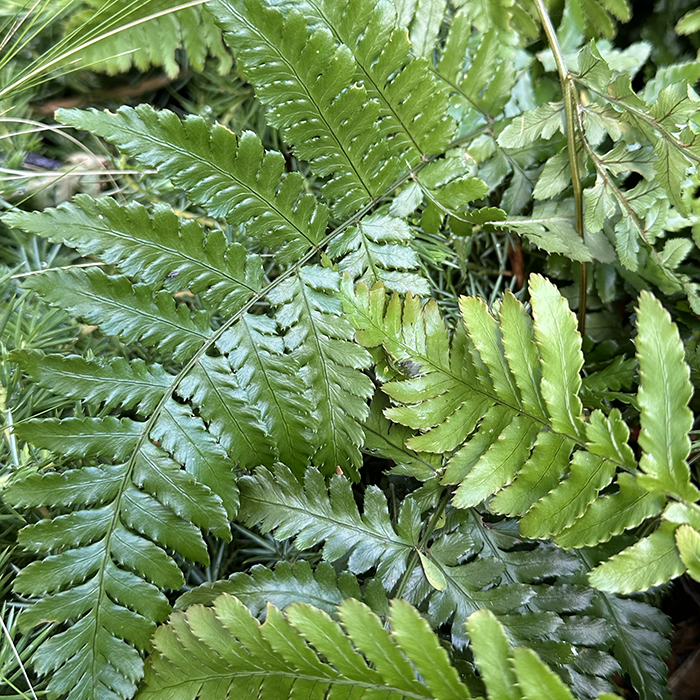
pixel 270 352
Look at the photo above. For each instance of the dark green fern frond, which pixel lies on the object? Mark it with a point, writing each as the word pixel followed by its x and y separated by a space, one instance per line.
pixel 413 106
pixel 557 618
pixel 286 585
pixel 121 308
pixel 158 248
pixel 273 383
pixel 277 501
pixel 186 437
pixel 308 83
pixel 117 382
pixel 230 176
pixel 640 635
pixel 155 485
pixel 337 123
pixel 232 417
pixel 321 340
pixel 91 581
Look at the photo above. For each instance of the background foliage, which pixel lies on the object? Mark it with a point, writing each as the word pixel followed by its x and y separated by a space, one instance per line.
pixel 363 336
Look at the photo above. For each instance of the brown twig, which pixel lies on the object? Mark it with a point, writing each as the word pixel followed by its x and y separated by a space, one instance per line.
pixel 118 94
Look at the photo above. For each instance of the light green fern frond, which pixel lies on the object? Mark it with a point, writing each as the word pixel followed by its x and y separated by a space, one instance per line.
pixel 600 15
pixel 504 407
pixel 305 651
pixel 652 136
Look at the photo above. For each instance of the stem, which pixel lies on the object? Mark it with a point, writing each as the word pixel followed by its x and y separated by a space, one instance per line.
pixel 570 108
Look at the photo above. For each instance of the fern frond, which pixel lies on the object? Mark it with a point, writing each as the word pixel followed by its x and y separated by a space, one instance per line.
pixel 652 137
pixel 495 578
pixel 313 515
pixel 485 81
pixel 121 308
pixel 151 43
pixel 304 651
pixel 230 176
pixel 231 416
pixel 211 386
pixel 485 381
pixel 510 21
pixel 90 581
pixel 169 478
pixel 413 105
pixel 665 380
pixel 550 227
pixel 321 340
pixel 186 437
pixel 386 439
pixel 347 130
pixel 272 382
pixel 600 15
pixel 131 385
pixel 550 618
pixel 378 249
pixel 640 635
pixel 664 394
pixel 285 585
pixel 159 249
pixel 308 83
pixel 512 673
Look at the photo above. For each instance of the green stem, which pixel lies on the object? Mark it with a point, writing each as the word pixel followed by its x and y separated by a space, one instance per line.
pixel 429 529
pixel 570 98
